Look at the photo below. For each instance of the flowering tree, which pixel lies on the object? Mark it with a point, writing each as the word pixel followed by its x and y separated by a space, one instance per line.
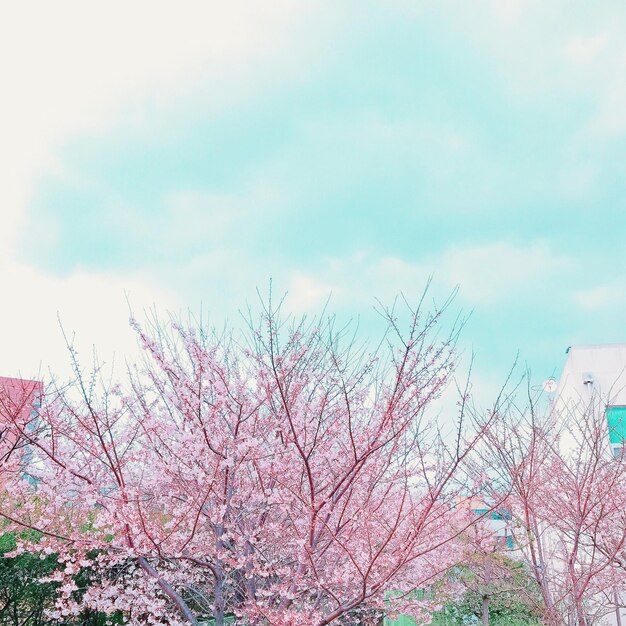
pixel 286 476
pixel 568 495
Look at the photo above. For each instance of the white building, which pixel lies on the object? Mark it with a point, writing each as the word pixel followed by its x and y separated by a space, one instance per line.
pixel 593 383
pixel 594 380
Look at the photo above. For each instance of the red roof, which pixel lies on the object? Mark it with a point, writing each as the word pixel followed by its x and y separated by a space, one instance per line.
pixel 18 398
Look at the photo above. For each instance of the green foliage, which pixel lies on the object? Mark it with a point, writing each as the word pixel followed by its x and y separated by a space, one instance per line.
pixel 504 610
pixel 24 600
pixel 514 599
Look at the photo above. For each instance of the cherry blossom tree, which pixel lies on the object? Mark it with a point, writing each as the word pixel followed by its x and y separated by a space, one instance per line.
pixel 567 494
pixel 287 475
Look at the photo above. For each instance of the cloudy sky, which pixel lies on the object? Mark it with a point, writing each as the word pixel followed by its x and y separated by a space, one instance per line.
pixel 184 153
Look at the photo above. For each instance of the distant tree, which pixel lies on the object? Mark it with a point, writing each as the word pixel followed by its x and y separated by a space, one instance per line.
pixel 28 592
pixel 496 586
pixel 287 477
pixel 23 598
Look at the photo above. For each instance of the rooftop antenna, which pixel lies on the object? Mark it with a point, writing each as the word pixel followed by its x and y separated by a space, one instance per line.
pixel 549 386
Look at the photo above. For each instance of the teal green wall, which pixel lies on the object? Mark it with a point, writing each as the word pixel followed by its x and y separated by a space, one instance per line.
pixel 616 417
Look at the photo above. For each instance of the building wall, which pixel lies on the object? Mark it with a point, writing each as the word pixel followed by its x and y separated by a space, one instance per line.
pixel 597 371
pixel 19 401
pixel 593 382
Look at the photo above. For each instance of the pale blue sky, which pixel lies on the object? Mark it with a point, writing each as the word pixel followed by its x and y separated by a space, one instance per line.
pixel 353 148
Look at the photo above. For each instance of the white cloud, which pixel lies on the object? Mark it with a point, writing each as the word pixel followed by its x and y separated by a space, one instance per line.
pixel 605 297
pixel 356 280
pixel 585 49
pixel 72 67
pixel 307 294
pixel 545 53
pixel 494 271
pixel 598 63
pixel 609 119
pixel 93 306
pixel 510 11
pixel 191 217
pixel 485 274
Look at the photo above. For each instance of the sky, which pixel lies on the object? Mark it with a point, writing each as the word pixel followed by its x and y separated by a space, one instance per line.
pixel 181 155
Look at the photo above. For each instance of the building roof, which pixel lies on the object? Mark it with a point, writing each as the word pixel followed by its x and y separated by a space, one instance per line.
pixel 18 398
pixel 594 371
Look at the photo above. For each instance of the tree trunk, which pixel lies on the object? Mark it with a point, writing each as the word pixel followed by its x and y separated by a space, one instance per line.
pixel 218 604
pixel 169 591
pixel 618 611
pixel 219 601
pixel 485 610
